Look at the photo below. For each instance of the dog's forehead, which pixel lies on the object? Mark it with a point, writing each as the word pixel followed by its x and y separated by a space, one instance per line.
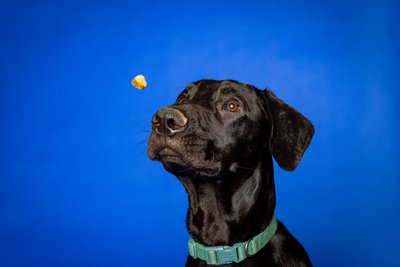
pixel 211 89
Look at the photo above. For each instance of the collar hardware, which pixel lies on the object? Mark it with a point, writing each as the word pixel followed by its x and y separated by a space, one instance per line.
pixel 219 255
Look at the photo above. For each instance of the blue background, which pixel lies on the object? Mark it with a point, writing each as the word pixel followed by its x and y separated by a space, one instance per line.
pixel 77 188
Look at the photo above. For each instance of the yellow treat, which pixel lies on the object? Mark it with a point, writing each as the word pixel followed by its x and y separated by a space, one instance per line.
pixel 139 82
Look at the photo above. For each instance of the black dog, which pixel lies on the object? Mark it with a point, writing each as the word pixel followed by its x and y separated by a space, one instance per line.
pixel 218 139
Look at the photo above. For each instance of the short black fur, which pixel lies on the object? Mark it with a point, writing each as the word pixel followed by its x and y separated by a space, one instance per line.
pixel 219 140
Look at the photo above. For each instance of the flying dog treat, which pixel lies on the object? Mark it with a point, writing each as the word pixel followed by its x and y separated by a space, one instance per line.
pixel 139 82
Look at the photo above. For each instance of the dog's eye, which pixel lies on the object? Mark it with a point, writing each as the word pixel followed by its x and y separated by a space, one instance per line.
pixel 181 99
pixel 231 105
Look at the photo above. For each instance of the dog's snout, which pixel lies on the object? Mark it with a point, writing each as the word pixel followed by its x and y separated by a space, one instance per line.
pixel 169 121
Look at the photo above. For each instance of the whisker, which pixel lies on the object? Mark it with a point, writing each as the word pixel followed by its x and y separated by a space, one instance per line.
pixel 246 168
pixel 141 142
pixel 139 145
pixel 180 171
pixel 142 152
pixel 140 127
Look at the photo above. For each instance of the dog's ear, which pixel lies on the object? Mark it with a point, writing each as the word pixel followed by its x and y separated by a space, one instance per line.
pixel 291 132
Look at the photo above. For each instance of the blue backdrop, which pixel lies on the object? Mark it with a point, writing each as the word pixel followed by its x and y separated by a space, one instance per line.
pixel 77 188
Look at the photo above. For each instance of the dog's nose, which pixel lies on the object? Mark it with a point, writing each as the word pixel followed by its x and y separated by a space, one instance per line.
pixel 169 121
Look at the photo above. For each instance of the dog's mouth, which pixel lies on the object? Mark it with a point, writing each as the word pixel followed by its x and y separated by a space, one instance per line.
pixel 179 163
pixel 168 155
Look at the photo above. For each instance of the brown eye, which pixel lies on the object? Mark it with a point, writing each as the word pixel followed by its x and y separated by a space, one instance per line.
pixel 181 100
pixel 231 106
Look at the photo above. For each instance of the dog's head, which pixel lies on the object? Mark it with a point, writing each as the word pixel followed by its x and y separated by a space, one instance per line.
pixel 217 126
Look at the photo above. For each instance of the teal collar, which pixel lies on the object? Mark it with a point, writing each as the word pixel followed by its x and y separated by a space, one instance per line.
pixel 219 255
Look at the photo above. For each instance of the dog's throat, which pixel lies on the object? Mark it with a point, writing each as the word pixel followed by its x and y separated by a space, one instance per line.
pixel 229 210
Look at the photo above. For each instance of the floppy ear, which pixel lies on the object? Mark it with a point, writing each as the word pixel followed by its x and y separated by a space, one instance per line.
pixel 291 132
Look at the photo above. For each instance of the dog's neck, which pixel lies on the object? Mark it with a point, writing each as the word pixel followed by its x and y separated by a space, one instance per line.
pixel 233 209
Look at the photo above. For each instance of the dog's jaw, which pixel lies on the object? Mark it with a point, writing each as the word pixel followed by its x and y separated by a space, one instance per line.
pixel 171 153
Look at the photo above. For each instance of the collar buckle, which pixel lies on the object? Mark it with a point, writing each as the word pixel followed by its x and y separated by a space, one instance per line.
pixel 220 255
pixel 246 248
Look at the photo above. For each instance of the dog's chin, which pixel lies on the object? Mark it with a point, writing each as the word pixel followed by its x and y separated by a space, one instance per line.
pixel 172 161
pixel 181 165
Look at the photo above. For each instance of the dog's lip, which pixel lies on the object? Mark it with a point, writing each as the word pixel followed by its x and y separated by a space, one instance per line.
pixel 165 153
pixel 162 147
pixel 168 152
pixel 169 155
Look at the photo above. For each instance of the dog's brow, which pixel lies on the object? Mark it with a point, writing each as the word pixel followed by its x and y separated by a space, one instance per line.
pixel 189 88
pixel 227 90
